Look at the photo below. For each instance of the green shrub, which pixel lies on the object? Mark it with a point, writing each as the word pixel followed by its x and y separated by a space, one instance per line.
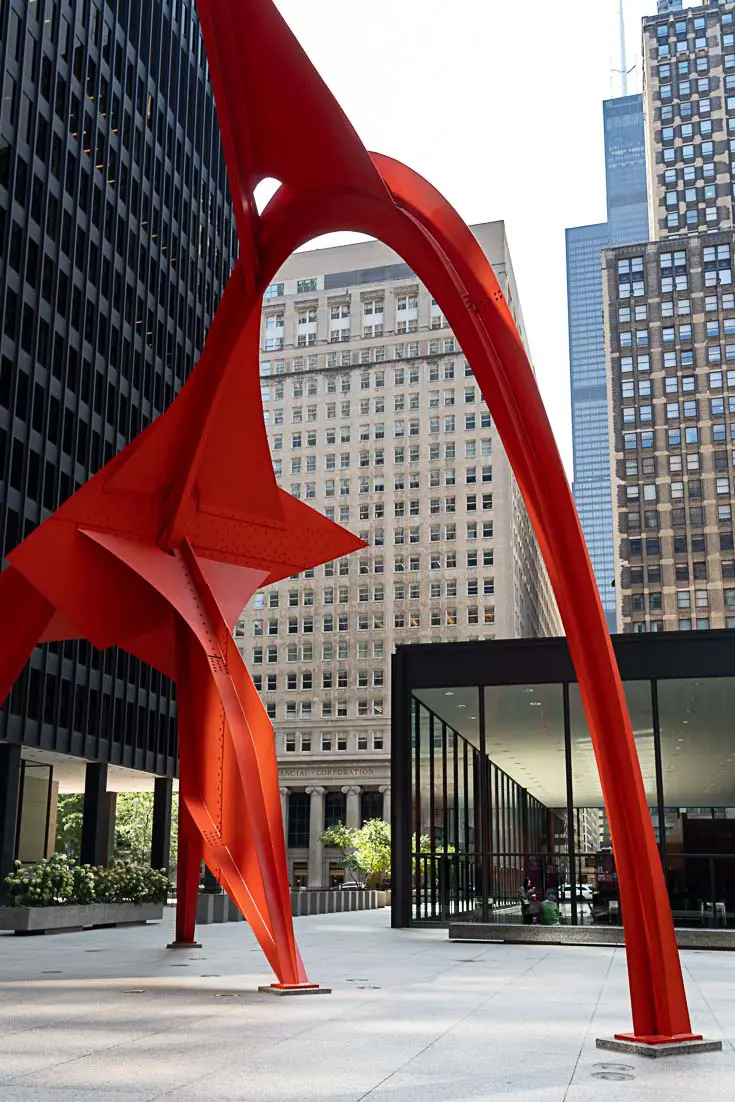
pixel 58 880
pixel 127 883
pixel 84 889
pixel 46 884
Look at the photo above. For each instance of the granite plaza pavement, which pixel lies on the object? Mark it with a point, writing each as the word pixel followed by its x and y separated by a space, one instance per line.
pixel 112 1016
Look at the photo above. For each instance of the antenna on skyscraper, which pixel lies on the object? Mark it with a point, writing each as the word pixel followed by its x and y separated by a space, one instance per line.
pixel 623 54
pixel 624 71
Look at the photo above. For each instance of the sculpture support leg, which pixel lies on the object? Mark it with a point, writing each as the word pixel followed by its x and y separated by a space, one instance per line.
pixel 188 870
pixel 445 255
pixel 229 775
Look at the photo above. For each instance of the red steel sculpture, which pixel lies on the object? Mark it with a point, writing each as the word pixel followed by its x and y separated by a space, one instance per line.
pixel 161 550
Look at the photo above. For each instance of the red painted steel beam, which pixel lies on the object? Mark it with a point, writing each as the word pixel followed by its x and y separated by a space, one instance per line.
pixel 162 548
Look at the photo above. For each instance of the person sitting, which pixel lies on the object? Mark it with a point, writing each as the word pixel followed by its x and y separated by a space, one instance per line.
pixel 549 911
pixel 525 897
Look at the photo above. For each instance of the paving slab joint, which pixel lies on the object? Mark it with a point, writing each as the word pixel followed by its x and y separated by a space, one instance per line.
pixel 658 1050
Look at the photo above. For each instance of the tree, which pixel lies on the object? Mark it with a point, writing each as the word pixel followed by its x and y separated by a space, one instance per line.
pixel 133 826
pixel 365 852
pixel 69 811
pixel 373 848
pixel 344 839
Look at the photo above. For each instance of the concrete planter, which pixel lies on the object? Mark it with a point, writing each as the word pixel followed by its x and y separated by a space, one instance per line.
pixel 74 916
pixel 215 908
pixel 579 935
pixel 332 902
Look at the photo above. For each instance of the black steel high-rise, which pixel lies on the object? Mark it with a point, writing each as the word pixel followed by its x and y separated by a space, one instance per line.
pixel 116 239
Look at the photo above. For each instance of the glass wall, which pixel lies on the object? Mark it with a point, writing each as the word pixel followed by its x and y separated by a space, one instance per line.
pixel 506 801
pixel 698 768
pixel 443 813
pixel 33 843
pixel 478 835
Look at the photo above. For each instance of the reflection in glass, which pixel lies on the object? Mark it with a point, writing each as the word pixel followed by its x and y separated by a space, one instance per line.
pixel 483 828
pixel 524 727
pixel 698 765
pixel 33 841
pixel 587 790
pixel 697 723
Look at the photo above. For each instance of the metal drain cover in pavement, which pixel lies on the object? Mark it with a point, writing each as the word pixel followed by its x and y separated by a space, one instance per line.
pixel 618 1075
pixel 613 1067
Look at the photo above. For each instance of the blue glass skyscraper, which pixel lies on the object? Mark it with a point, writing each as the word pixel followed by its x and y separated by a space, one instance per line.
pixel 625 170
pixel 590 436
pixel 627 222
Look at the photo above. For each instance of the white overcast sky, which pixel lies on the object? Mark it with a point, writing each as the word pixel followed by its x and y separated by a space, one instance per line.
pixel 499 104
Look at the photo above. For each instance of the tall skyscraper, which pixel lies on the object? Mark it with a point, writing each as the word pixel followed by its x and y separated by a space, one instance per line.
pixel 588 382
pixel 625 170
pixel 625 174
pixel 670 337
pixel 689 66
pixel 117 238
pixel 374 416
pixel 670 5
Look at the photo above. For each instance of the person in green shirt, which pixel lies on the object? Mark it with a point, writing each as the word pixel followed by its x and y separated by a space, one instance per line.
pixel 549 911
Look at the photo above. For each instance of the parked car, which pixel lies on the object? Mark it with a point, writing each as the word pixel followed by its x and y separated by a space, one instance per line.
pixel 584 893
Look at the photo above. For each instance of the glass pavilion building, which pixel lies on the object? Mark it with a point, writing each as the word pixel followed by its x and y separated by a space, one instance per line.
pixel 494 779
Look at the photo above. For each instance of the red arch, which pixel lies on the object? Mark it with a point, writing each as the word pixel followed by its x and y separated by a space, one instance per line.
pixel 160 551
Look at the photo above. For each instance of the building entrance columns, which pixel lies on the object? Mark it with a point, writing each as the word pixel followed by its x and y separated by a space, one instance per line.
pixel 316 826
pixel 10 773
pixel 161 831
pixel 97 816
pixel 385 789
pixel 352 810
pixel 284 811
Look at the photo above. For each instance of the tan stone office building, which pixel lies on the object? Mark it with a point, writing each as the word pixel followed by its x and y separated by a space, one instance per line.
pixel 671 335
pixel 374 418
pixel 670 338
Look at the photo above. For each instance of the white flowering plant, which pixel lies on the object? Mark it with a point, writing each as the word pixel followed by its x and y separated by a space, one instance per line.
pixel 123 882
pixel 46 884
pixel 59 880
